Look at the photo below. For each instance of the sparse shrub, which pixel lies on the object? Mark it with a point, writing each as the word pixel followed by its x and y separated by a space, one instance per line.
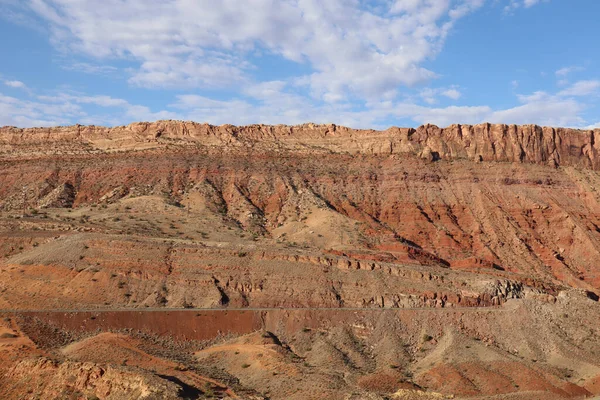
pixel 208 391
pixel 245 365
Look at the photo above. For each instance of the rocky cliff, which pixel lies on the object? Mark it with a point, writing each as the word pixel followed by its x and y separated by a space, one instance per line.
pixel 483 142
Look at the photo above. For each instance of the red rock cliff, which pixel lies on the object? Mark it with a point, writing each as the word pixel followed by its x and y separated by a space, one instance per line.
pixel 483 142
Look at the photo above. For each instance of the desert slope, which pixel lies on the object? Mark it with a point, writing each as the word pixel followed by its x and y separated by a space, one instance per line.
pixel 383 261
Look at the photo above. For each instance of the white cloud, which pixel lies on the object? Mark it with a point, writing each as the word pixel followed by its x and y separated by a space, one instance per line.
pixel 17 112
pixel 352 51
pixel 563 72
pixel 269 103
pixel 514 4
pixel 542 109
pixel 102 101
pixel 444 116
pixel 130 112
pixel 430 95
pixel 581 88
pixel 356 57
pixel 15 84
pixel 453 94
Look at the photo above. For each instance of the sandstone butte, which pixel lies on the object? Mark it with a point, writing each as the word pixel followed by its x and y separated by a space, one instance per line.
pixel 184 260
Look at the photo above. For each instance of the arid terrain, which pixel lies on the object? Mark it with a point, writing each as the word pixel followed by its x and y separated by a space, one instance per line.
pixel 176 260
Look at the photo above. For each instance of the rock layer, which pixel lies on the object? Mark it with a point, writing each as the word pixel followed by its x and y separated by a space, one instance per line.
pixel 483 142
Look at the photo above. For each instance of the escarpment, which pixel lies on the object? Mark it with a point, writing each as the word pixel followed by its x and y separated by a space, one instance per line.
pixel 183 260
pixel 483 142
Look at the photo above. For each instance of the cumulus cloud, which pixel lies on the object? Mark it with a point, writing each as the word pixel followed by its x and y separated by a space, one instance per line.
pixel 352 50
pixel 357 61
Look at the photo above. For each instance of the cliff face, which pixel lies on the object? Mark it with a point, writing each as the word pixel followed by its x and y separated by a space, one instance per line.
pixel 493 201
pixel 483 142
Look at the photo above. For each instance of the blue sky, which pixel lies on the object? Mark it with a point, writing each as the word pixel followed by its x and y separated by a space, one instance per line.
pixel 360 63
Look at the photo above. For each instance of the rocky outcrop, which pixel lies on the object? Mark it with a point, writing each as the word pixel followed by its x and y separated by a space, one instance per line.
pixel 483 142
pixel 47 378
pixel 62 196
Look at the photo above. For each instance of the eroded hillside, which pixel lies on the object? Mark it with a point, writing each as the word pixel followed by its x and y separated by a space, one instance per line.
pixel 153 217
